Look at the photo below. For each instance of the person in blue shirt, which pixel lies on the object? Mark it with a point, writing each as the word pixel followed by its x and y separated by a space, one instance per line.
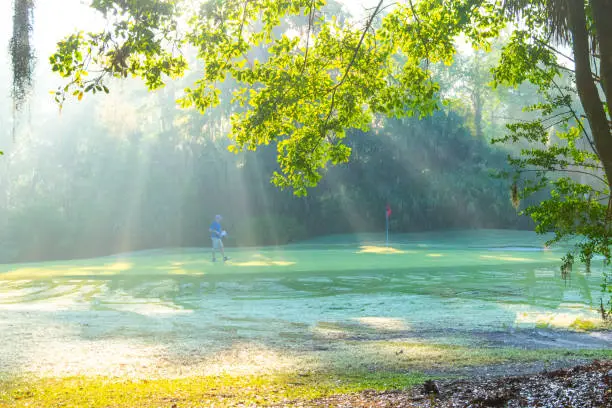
pixel 216 235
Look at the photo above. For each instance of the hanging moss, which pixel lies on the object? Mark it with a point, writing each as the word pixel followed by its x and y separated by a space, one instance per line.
pixel 514 196
pixel 22 53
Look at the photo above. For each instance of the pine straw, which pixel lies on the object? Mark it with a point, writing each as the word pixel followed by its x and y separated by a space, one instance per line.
pixel 587 386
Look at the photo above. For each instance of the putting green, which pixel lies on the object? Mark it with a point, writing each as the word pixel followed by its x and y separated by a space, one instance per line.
pixel 174 312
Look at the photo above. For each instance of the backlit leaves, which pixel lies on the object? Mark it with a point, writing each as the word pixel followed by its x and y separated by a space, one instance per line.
pixel 141 40
pixel 300 89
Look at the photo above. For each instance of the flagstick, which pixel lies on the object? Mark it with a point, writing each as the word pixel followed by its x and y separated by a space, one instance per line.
pixel 387 227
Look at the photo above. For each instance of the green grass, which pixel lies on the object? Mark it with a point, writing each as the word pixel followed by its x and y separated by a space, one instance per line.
pixel 223 390
pixel 359 253
pixel 587 325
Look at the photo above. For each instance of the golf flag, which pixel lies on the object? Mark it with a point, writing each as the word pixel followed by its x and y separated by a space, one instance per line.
pixel 388 211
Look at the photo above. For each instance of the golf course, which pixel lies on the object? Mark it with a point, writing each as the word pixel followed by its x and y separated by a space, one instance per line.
pixel 341 313
pixel 305 203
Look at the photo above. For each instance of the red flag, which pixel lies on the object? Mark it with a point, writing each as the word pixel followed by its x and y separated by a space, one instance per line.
pixel 388 211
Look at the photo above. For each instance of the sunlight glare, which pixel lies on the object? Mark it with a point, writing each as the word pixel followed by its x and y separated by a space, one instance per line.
pixel 383 323
pixel 565 320
pixel 371 249
pixel 262 263
pixel 506 258
pixel 51 272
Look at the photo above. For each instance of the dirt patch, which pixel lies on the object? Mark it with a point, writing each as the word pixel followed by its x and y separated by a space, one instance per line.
pixel 586 386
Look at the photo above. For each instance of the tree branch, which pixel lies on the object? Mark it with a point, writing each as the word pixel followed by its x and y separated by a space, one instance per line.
pixel 555 115
pixel 577 119
pixel 553 49
pixel 350 65
pixel 416 17
pixel 310 24
pixel 562 170
pixel 548 126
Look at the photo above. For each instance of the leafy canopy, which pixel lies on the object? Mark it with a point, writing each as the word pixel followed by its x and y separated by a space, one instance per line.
pixel 302 88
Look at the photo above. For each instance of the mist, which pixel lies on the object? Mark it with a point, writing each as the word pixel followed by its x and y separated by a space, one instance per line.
pixel 130 170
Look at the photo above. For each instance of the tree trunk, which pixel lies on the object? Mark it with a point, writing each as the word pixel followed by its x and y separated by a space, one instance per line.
pixel 477 101
pixel 603 32
pixel 587 90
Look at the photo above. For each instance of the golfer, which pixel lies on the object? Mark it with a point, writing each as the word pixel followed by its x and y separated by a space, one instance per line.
pixel 216 235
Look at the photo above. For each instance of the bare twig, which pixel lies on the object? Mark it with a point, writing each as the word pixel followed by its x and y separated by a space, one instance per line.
pixel 561 171
pixel 555 116
pixel 552 125
pixel 576 118
pixel 545 44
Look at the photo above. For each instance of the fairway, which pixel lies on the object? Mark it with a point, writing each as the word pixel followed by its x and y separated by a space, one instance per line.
pixel 327 304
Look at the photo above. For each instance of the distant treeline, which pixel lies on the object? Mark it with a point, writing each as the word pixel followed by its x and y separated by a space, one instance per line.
pixel 129 170
pixel 85 188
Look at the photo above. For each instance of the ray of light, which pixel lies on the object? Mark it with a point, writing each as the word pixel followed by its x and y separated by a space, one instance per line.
pixel 506 258
pixel 371 249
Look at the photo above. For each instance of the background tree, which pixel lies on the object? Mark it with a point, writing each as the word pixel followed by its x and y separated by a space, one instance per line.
pixel 21 50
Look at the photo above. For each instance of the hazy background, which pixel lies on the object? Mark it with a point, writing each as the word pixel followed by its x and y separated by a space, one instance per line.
pixel 130 170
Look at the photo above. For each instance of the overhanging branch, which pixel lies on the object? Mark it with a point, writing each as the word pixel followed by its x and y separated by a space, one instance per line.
pixel 349 66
